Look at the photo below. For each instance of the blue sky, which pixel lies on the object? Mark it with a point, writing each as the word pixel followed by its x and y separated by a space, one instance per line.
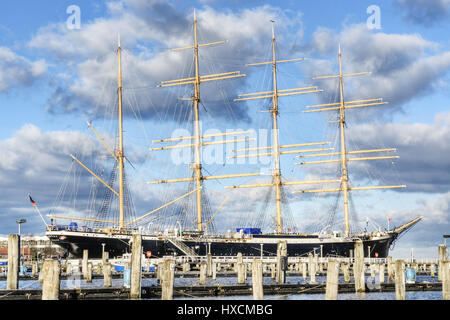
pixel 53 79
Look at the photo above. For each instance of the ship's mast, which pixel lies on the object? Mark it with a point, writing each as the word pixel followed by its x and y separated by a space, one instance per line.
pixel 341 107
pixel 120 153
pixel 344 177
pixel 197 165
pixel 197 137
pixel 276 148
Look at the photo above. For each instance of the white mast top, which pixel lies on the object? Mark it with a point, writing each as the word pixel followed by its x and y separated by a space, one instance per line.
pixel 273 29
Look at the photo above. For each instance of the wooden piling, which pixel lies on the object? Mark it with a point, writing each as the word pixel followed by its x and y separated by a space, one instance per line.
pixel 241 272
pixel 400 288
pixel 209 265
pixel 107 280
pixel 381 275
pixel 88 276
pixel 390 269
pixel 346 270
pixel 442 255
pixel 432 270
pixel 214 270
pixel 13 262
pixel 331 292
pixel 136 267
pixel 84 264
pixel 51 270
pixel 304 270
pixel 34 269
pixel 41 274
pixel 282 260
pixel 358 267
pixel 203 273
pixel 257 280
pixel 446 280
pixel 168 278
pixel 311 269
pixel 273 271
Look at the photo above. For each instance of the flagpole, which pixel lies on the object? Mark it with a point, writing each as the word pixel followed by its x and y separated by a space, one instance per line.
pixel 37 209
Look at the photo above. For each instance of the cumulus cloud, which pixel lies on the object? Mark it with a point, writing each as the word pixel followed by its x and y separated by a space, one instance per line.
pixel 402 66
pixel 425 12
pixel 424 150
pixel 148 29
pixel 17 71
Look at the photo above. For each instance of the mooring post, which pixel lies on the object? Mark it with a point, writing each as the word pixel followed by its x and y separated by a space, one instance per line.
pixel 446 280
pixel 282 261
pixel 105 257
pixel 136 267
pixel 186 267
pixel 209 265
pixel 304 270
pixel 41 274
pixel 168 278
pixel 346 270
pixel 34 269
pixel 381 268
pixel 273 271
pixel 107 281
pixel 332 280
pixel 84 264
pixel 214 271
pixel 51 270
pixel 88 277
pixel 358 267
pixel 13 262
pixel 241 272
pixel 311 269
pixel 390 269
pixel 203 273
pixel 442 255
pixel 257 280
pixel 400 280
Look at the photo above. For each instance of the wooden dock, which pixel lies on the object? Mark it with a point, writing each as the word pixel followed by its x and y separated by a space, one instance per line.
pixel 198 291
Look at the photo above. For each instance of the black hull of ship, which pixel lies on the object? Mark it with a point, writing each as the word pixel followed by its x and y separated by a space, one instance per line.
pixel 74 246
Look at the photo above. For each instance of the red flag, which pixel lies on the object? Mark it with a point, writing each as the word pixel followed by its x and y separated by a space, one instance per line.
pixel 32 201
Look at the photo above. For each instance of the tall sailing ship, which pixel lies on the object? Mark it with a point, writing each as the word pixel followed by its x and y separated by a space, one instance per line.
pixel 114 236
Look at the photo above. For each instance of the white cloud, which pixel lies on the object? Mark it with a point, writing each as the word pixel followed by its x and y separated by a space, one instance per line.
pixel 424 150
pixel 425 12
pixel 403 66
pixel 17 71
pixel 148 30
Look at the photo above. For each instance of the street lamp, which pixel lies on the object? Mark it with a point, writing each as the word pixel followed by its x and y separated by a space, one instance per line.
pixel 19 222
